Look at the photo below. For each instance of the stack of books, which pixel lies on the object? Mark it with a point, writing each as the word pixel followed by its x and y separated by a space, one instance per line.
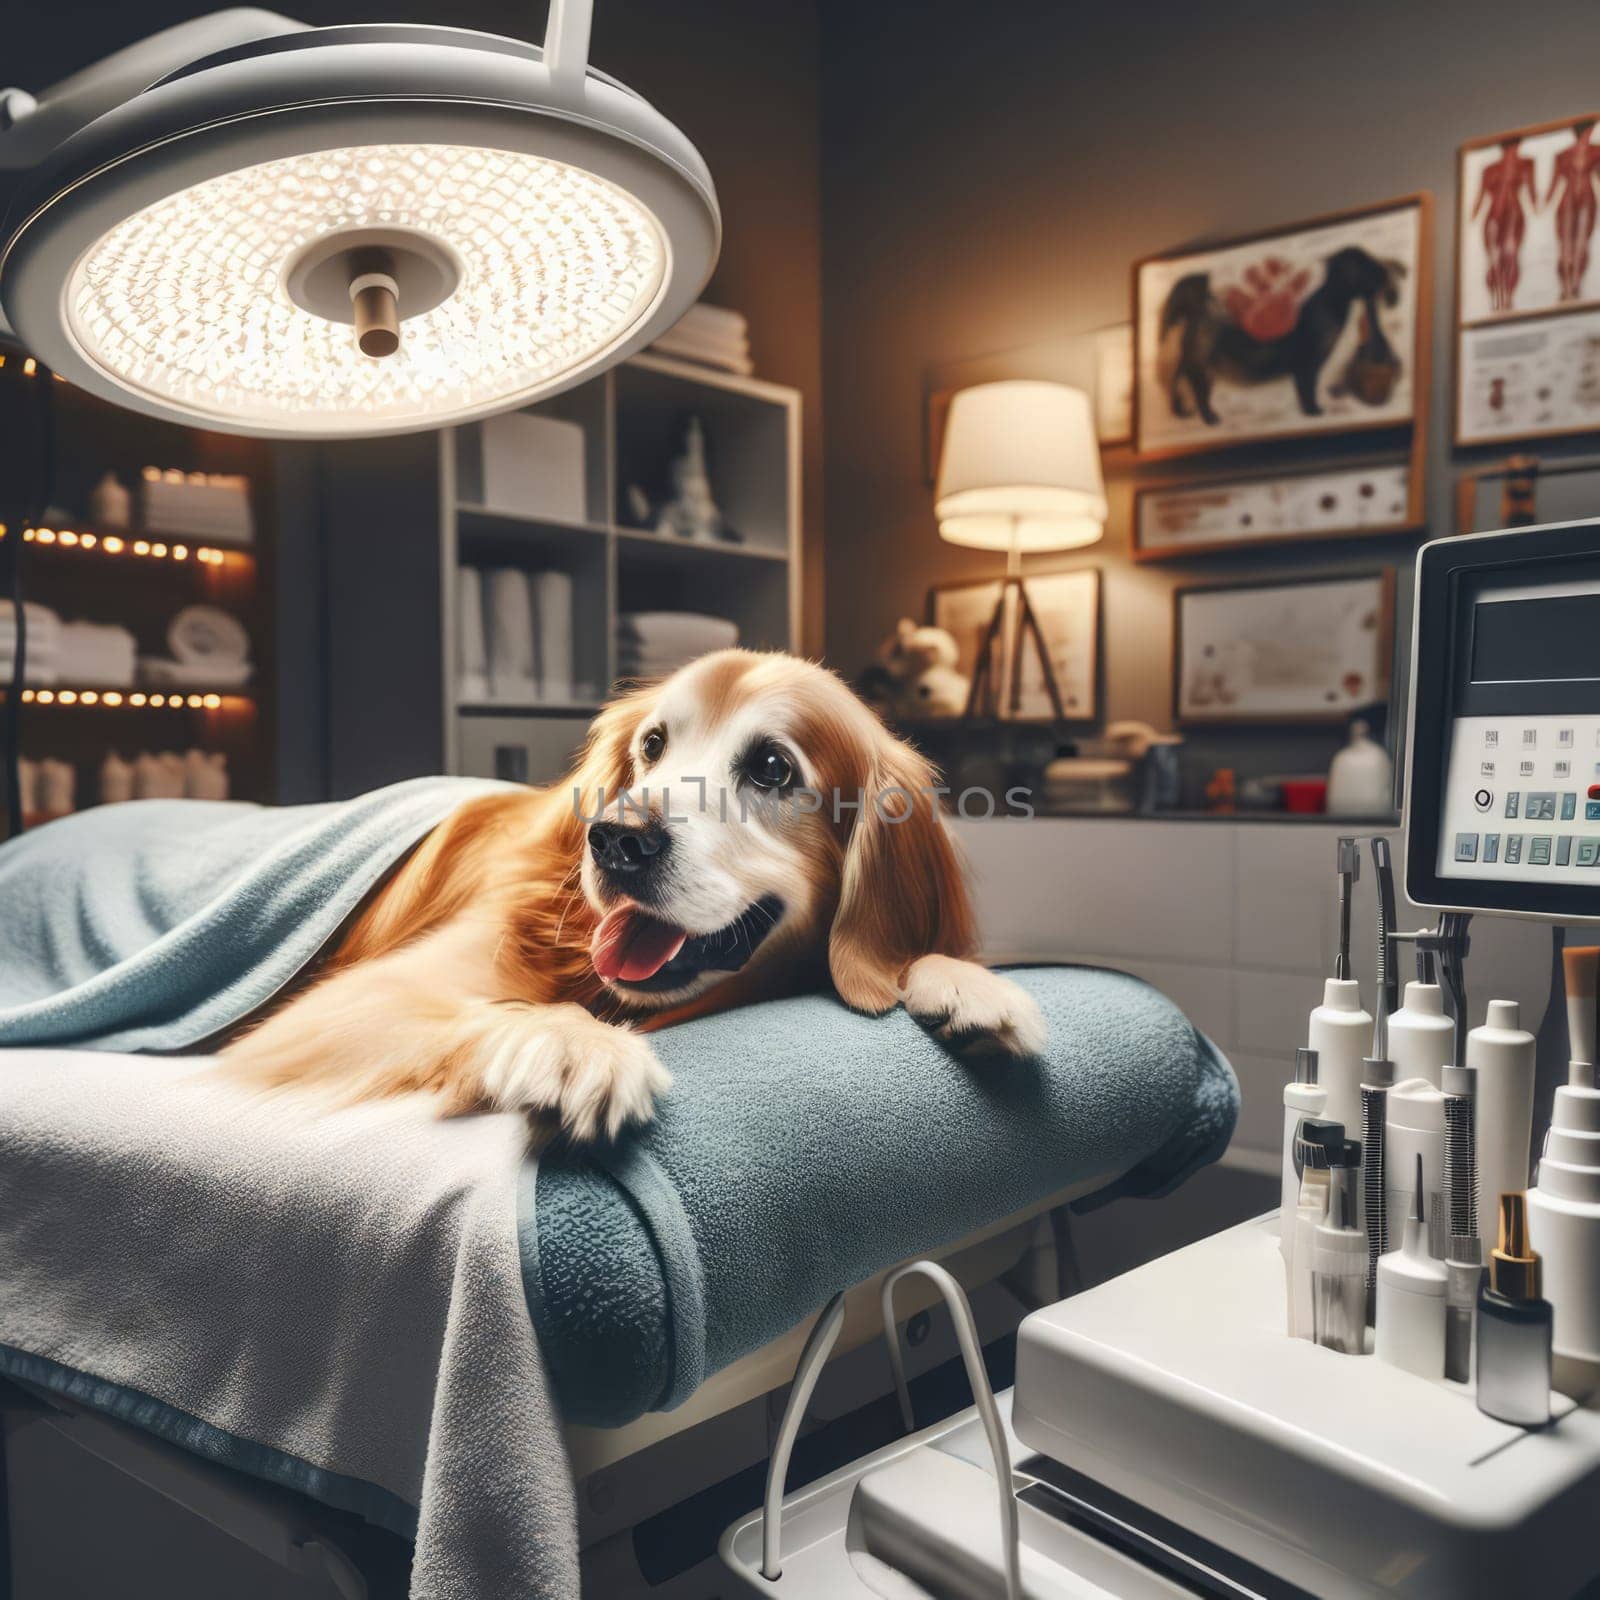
pixel 710 336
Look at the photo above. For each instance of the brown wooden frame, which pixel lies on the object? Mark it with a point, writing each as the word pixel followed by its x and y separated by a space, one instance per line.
pixel 1422 343
pixel 1415 513
pixel 1511 318
pixel 1386 624
pixel 1097 708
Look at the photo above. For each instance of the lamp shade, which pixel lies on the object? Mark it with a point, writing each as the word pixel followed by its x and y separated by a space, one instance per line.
pixel 1020 469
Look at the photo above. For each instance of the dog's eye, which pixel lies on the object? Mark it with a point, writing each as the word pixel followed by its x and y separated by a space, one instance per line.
pixel 653 743
pixel 767 767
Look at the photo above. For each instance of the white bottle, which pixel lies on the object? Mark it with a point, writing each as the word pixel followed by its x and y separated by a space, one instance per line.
pixel 1421 1037
pixel 1304 1097
pixel 1361 779
pixel 1564 1216
pixel 1502 1054
pixel 1411 1303
pixel 1341 1034
pixel 1414 1142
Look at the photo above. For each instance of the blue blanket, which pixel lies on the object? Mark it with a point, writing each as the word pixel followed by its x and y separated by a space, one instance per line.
pixel 802 1148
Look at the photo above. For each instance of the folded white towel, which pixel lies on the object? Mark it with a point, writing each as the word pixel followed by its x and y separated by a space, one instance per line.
pixel 57 788
pixel 552 604
pixel 508 617
pixel 100 655
pixel 198 675
pixel 44 642
pixel 690 629
pixel 712 318
pixel 158 777
pixel 472 661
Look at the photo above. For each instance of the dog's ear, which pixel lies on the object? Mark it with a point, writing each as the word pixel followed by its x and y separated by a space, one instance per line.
pixel 606 766
pixel 902 892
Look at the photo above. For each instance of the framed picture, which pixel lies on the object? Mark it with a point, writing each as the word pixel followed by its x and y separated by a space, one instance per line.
pixel 1317 328
pixel 1312 650
pixel 1113 384
pixel 1067 605
pixel 1192 519
pixel 1527 284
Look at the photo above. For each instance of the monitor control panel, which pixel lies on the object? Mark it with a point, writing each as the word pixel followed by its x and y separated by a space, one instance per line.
pixel 1503 786
pixel 1522 800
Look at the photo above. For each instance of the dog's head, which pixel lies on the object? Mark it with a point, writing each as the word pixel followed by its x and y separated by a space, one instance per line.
pixel 750 810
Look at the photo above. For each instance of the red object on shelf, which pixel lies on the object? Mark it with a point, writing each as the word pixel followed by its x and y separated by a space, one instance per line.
pixel 1305 796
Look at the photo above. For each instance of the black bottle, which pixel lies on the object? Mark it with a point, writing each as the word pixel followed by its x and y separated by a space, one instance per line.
pixel 1514 1326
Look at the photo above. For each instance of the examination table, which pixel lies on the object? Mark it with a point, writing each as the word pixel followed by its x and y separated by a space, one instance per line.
pixel 803 1149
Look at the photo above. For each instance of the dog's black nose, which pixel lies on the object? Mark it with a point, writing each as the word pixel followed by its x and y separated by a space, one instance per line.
pixel 620 848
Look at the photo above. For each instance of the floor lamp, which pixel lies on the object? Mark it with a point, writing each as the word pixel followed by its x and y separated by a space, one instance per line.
pixel 1019 472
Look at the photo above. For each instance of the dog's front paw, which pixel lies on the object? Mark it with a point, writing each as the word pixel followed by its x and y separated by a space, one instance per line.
pixel 559 1064
pixel 974 1011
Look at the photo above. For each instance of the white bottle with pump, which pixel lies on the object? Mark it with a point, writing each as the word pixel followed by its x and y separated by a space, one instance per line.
pixel 1411 1296
pixel 1341 1034
pixel 1564 1216
pixel 1501 1053
pixel 1421 1037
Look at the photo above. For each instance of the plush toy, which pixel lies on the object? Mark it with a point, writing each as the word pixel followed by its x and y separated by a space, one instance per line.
pixel 915 674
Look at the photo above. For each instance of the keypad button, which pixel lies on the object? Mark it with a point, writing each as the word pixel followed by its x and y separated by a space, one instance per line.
pixel 1562 769
pixel 1588 852
pixel 1564 738
pixel 1511 802
pixel 1530 738
pixel 1483 799
pixel 1491 847
pixel 1513 849
pixel 1466 847
pixel 1564 850
pixel 1591 811
pixel 1486 769
pixel 1491 739
pixel 1539 850
pixel 1540 808
pixel 1569 806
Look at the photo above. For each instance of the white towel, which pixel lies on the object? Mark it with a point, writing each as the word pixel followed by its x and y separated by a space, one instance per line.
pixel 552 605
pixel 208 636
pixel 508 614
pixel 158 777
pixel 197 675
pixel 58 786
pixel 712 319
pixel 44 643
pixel 472 661
pixel 683 629
pixel 28 783
pixel 100 655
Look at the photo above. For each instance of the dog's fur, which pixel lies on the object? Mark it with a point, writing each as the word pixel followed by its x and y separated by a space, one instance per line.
pixel 470 974
pixel 1212 345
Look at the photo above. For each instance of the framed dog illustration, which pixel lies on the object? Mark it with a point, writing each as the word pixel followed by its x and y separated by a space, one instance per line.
pixel 1317 328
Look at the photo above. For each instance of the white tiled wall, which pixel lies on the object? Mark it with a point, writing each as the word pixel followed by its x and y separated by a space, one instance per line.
pixel 1235 921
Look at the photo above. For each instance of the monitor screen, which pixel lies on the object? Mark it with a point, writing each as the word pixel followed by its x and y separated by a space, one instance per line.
pixel 1547 639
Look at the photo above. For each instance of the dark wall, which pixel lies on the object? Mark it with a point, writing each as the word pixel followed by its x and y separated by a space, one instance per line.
pixel 990 174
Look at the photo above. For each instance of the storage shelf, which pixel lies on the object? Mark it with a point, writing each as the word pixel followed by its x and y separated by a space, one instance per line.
pixel 521 519
pixel 640 538
pixel 528 708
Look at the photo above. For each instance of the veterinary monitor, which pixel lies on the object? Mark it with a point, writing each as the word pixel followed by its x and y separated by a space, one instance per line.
pixel 1503 803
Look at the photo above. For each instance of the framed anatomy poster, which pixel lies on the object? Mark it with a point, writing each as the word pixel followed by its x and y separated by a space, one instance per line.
pixel 1528 284
pixel 1191 519
pixel 1316 328
pixel 1307 651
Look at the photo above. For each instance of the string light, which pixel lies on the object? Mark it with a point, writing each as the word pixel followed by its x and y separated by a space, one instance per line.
pixel 135 699
pixel 113 544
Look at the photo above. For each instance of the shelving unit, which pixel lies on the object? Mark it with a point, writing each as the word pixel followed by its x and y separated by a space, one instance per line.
pixel 139 579
pixel 632 421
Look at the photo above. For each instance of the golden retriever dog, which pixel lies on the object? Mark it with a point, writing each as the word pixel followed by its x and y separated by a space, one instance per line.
pixel 745 829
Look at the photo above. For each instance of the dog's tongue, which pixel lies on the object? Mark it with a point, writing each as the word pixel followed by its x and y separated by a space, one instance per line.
pixel 632 946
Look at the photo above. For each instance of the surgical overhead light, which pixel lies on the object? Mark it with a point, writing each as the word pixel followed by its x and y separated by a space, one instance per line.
pixel 247 224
